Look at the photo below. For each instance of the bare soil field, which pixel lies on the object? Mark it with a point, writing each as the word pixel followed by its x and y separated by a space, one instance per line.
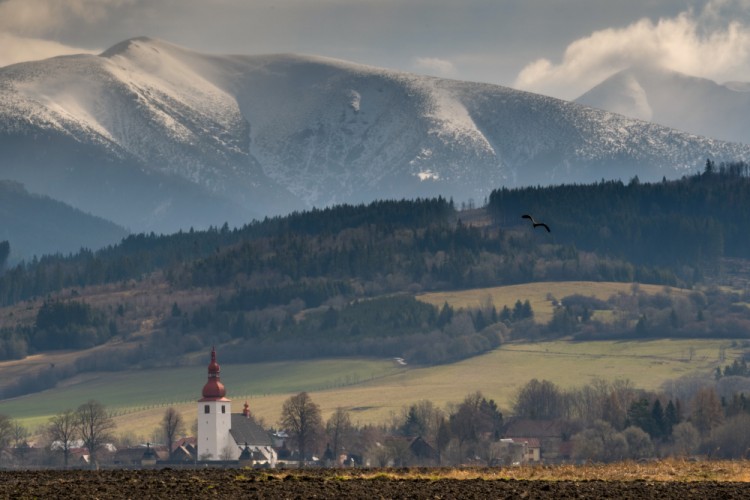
pixel 368 483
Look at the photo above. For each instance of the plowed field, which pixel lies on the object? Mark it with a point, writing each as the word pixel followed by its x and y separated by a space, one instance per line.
pixel 240 483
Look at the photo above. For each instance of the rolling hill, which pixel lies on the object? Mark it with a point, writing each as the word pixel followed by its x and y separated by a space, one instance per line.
pixel 38 225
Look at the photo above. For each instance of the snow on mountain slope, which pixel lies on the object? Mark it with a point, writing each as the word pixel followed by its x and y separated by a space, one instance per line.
pixel 157 136
pixel 695 105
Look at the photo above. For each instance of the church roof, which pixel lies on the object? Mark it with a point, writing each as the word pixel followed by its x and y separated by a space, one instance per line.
pixel 246 430
pixel 214 390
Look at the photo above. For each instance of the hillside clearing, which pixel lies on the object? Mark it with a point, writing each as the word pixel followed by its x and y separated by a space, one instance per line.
pixel 538 295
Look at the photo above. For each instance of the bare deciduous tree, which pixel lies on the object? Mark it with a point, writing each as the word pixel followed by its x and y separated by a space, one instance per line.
pixel 686 439
pixel 6 430
pixel 338 429
pixel 539 400
pixel 19 434
pixel 639 443
pixel 601 442
pixel 475 419
pixel 62 429
pixel 95 427
pixel 172 425
pixel 621 396
pixel 422 419
pixel 302 419
pixel 707 410
pixel 731 440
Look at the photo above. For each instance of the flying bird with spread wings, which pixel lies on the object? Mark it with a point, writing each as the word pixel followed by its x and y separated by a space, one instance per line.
pixel 535 223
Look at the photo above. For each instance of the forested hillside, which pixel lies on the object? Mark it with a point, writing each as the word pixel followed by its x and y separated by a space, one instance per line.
pixel 341 281
pixel 686 225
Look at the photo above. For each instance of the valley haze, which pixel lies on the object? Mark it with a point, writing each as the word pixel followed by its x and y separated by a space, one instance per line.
pixel 156 137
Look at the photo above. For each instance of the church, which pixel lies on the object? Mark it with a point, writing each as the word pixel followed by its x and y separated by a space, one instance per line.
pixel 227 436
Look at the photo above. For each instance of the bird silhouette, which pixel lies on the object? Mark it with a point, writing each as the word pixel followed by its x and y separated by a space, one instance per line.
pixel 535 223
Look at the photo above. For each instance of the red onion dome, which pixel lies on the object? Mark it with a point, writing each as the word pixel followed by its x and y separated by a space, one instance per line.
pixel 213 388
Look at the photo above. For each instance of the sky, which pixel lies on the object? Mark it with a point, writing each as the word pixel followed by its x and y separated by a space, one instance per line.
pixel 560 48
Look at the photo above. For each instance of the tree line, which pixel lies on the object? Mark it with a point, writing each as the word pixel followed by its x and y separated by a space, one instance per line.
pixel 686 225
pixel 601 421
pixel 141 254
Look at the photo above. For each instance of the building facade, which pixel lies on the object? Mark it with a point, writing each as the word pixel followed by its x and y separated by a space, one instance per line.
pixel 225 436
pixel 214 417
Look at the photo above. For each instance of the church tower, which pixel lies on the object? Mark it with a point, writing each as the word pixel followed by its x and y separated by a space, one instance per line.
pixel 214 416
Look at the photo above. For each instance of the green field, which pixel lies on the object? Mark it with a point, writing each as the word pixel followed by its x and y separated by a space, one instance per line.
pixel 146 390
pixel 374 391
pixel 536 293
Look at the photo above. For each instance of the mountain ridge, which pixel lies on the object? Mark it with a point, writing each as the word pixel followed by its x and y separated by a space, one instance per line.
pixel 696 105
pixel 36 225
pixel 158 137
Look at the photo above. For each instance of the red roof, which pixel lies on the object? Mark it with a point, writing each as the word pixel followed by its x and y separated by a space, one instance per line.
pixel 214 389
pixel 530 442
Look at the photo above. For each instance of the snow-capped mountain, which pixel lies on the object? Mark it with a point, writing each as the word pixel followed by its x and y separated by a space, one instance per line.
pixel 696 105
pixel 155 136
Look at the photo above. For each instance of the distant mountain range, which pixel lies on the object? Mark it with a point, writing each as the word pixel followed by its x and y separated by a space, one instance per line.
pixel 696 105
pixel 158 137
pixel 38 225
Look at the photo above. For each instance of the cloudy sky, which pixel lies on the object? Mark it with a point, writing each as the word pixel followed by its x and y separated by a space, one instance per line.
pixel 556 47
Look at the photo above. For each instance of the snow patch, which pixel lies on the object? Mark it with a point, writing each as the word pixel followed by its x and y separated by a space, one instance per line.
pixel 428 175
pixel 355 99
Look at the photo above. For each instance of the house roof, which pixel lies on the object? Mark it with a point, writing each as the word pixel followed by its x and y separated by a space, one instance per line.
pixel 183 453
pixel 530 442
pixel 136 453
pixel 246 430
pixel 184 441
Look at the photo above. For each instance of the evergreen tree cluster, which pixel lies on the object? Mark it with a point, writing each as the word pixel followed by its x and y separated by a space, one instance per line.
pixel 141 254
pixel 738 368
pixel 692 222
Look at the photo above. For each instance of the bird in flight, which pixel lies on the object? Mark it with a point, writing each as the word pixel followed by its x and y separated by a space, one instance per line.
pixel 535 223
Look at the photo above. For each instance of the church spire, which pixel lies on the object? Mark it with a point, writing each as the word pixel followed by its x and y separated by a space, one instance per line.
pixel 213 389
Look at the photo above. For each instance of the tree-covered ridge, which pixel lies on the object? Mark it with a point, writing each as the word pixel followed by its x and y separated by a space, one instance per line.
pixel 141 254
pixel 382 247
pixel 690 222
pixel 338 281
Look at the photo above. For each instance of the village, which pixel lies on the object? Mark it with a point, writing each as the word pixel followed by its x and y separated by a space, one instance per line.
pixel 226 439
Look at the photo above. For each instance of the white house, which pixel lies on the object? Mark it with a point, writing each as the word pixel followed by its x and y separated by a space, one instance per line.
pixel 223 435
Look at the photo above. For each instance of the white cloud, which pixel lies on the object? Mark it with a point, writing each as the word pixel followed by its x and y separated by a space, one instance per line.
pixel 714 43
pixel 435 66
pixel 40 17
pixel 26 25
pixel 14 49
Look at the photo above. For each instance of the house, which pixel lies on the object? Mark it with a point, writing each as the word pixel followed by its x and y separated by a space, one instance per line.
pixel 184 450
pixel 508 452
pixel 140 455
pixel 532 449
pixel 223 435
pixel 254 439
pixel 423 451
pixel 550 434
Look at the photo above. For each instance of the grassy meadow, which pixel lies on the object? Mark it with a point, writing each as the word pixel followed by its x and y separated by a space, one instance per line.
pixel 375 390
pixel 536 293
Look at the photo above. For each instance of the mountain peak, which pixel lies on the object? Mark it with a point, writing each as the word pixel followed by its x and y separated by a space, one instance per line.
pixel 125 45
pixel 693 104
pixel 156 136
